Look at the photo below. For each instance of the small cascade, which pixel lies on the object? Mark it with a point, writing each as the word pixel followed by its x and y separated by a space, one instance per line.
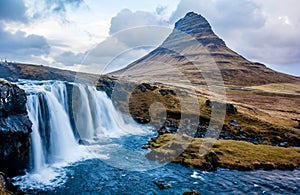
pixel 95 116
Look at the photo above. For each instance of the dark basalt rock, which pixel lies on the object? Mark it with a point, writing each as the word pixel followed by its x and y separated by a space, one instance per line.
pixel 15 129
pixel 234 123
pixel 106 84
pixel 142 88
pixel 162 185
pixel 191 192
pixel 12 100
pixel 163 92
pixel 230 108
pixel 150 87
pixel 168 127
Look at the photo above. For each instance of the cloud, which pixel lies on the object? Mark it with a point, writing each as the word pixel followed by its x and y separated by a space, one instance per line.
pixel 16 10
pixel 69 58
pixel 161 9
pixel 45 8
pixel 127 19
pixel 19 46
pixel 133 34
pixel 222 14
pixel 115 52
pixel 60 5
pixel 12 10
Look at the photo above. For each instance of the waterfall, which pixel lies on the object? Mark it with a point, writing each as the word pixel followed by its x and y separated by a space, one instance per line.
pixel 65 115
pixel 52 135
pixel 38 157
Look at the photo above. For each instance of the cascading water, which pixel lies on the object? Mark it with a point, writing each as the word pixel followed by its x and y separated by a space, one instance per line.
pixel 66 114
pixel 52 138
pixel 37 150
pixel 95 116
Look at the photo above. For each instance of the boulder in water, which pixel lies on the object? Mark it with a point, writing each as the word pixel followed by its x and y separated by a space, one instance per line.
pixel 191 192
pixel 162 185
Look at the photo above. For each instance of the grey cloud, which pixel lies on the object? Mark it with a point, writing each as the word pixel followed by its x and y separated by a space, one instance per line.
pixel 135 28
pixel 42 8
pixel 19 46
pixel 69 58
pixel 60 5
pixel 96 62
pixel 161 9
pixel 98 57
pixel 15 10
pixel 127 19
pixel 12 10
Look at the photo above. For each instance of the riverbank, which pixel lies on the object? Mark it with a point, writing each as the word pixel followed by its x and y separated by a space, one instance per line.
pixel 209 154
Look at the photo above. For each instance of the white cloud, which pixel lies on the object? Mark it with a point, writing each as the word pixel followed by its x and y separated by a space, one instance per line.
pixel 127 19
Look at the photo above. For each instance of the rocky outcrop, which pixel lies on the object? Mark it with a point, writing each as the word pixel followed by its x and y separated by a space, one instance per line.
pixel 230 108
pixel 106 84
pixel 15 129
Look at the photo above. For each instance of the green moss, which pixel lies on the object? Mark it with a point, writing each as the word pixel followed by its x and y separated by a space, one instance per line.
pixel 223 153
pixel 5 83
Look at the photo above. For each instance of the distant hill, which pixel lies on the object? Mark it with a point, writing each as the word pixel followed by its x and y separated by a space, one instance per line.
pixel 192 50
pixel 14 71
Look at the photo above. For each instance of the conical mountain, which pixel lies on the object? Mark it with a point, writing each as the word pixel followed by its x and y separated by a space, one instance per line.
pixel 194 53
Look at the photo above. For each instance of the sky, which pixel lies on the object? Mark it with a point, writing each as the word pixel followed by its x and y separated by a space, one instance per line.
pixel 84 35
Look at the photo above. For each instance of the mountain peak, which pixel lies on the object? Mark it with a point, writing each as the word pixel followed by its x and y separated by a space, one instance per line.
pixel 198 22
pixel 197 26
pixel 193 46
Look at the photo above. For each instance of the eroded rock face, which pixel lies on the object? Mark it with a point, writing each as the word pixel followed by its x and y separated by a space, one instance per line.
pixel 15 129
